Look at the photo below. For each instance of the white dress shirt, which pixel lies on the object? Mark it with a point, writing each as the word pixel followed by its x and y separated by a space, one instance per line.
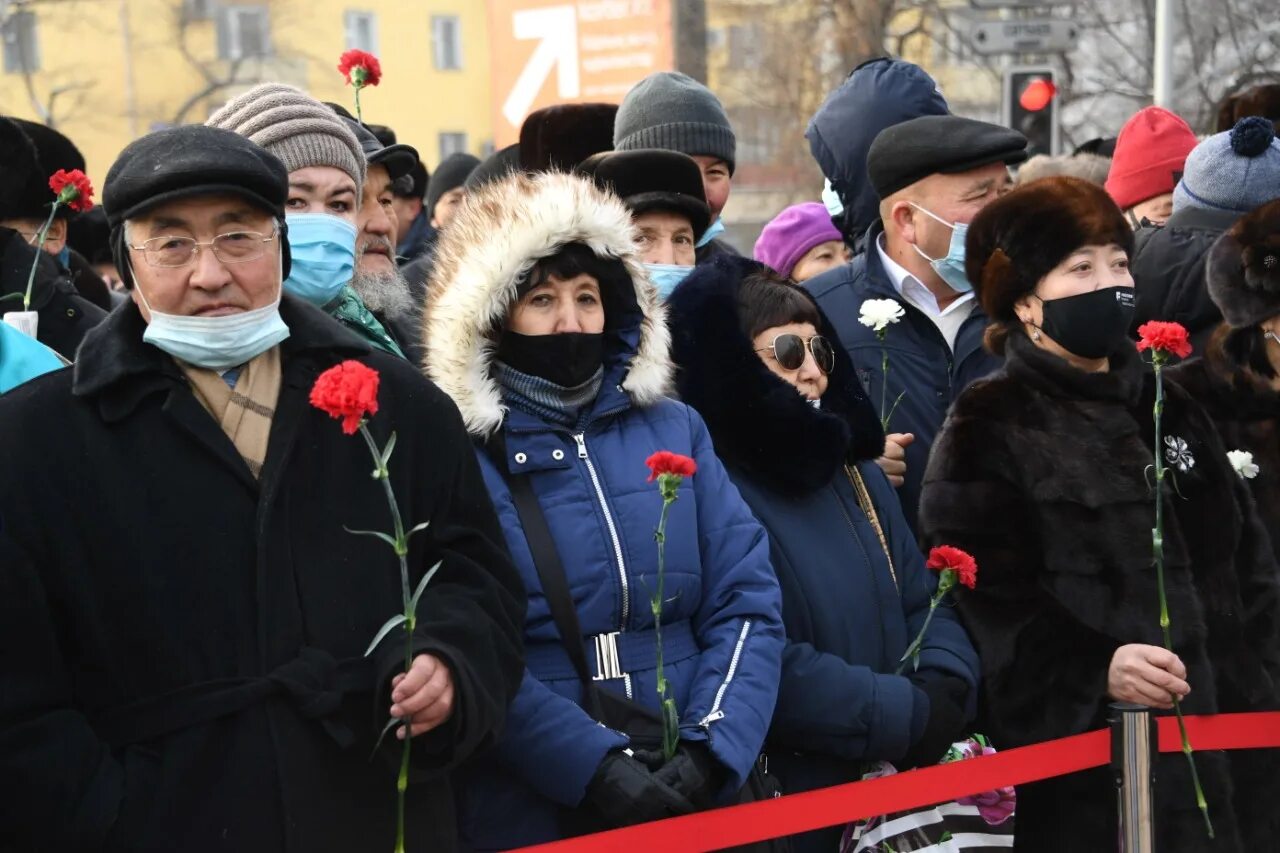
pixel 949 319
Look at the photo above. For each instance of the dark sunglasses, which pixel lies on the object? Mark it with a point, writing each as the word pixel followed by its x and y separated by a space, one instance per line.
pixel 789 350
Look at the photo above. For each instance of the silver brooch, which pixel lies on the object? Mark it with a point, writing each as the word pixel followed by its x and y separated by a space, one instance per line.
pixel 1177 454
pixel 1270 261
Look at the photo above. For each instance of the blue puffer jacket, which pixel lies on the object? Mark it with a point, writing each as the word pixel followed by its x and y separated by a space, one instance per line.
pixel 722 632
pixel 849 612
pixel 922 368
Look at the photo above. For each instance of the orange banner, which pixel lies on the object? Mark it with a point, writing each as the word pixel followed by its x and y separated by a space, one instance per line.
pixel 546 52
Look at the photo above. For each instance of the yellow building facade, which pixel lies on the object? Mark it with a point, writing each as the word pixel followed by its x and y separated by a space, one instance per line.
pixel 107 71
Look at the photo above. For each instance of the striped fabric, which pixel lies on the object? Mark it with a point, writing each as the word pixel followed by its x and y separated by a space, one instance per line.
pixel 543 399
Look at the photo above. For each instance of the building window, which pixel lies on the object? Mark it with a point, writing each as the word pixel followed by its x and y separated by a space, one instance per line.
pixel 362 31
pixel 446 42
pixel 243 31
pixel 452 143
pixel 745 47
pixel 21 49
pixel 486 149
pixel 198 10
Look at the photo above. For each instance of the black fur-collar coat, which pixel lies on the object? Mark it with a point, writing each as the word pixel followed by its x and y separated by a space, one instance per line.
pixel 1043 473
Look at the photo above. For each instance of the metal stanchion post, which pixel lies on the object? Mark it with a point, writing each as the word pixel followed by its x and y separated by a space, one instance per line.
pixel 1133 750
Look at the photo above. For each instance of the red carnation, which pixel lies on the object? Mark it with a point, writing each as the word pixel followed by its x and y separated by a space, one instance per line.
pixel 73 189
pixel 946 558
pixel 348 391
pixel 1164 337
pixel 361 69
pixel 666 462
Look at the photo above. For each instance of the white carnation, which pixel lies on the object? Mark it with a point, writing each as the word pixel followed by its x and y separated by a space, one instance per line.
pixel 1242 461
pixel 877 314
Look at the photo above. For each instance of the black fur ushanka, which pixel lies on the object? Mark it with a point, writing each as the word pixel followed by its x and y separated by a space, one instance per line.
pixel 1042 472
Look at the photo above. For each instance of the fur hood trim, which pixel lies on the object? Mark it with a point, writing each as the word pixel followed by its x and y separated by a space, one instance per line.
pixel 484 254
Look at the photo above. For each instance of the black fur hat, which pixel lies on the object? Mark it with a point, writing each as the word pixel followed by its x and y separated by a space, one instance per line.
pixel 1243 268
pixel 562 136
pixel 653 179
pixel 54 151
pixel 21 182
pixel 1016 240
pixel 757 421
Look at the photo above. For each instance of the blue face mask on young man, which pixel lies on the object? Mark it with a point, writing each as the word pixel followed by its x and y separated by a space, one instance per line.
pixel 950 268
pixel 666 277
pixel 323 252
pixel 216 343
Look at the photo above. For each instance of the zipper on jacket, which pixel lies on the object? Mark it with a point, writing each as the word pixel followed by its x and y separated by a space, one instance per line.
pixel 581 440
pixel 716 713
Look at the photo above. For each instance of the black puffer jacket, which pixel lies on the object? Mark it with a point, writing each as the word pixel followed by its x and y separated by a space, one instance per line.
pixel 65 316
pixel 1168 271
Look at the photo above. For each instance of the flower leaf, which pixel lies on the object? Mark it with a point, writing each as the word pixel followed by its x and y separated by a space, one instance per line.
pixel 422 585
pixel 418 528
pixel 386 452
pixel 390 624
pixel 391 724
pixel 384 537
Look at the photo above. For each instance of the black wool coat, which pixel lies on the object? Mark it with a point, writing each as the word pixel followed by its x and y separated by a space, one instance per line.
pixel 181 646
pixel 1042 473
pixel 1246 411
pixel 65 316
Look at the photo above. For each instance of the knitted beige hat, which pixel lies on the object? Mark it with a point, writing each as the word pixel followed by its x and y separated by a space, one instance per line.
pixel 295 127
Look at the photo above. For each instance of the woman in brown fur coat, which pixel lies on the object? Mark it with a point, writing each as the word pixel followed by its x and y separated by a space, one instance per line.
pixel 1042 473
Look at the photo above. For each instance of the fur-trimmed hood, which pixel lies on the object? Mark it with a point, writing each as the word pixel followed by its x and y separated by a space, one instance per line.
pixel 490 246
pixel 758 421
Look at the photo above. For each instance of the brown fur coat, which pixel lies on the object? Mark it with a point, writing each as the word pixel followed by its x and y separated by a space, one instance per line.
pixel 1042 473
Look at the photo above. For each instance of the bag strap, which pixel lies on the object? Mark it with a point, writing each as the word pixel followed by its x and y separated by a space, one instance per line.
pixel 546 559
pixel 869 510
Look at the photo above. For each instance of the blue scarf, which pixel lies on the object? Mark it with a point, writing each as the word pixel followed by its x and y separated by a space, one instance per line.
pixel 544 399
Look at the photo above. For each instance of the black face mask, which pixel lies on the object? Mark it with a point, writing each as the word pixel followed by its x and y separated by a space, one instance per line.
pixel 568 359
pixel 1090 325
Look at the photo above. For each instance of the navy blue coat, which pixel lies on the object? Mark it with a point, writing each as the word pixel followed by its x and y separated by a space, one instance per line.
pixel 922 368
pixel 849 614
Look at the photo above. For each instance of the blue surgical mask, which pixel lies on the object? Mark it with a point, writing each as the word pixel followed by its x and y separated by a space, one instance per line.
pixel 951 268
pixel 666 277
pixel 714 230
pixel 323 252
pixel 215 343
pixel 831 200
pixel 64 258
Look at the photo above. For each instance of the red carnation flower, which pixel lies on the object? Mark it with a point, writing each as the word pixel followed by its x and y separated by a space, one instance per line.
pixel 73 189
pixel 666 462
pixel 946 558
pixel 1164 337
pixel 361 69
pixel 348 391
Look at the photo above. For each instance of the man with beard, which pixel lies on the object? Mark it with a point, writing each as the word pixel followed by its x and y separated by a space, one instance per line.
pixel 378 279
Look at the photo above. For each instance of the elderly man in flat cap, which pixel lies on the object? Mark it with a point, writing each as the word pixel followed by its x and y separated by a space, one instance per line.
pixel 184 614
pixel 933 174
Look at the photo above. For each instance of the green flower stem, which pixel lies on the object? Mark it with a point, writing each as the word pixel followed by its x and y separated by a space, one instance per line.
pixel 359 84
pixel 1157 542
pixel 40 238
pixel 402 553
pixel 668 484
pixel 945 584
pixel 884 388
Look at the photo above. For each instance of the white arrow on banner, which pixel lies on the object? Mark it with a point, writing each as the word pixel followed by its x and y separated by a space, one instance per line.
pixel 557 26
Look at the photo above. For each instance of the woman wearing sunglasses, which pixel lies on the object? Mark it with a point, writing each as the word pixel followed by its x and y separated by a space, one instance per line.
pixel 799 439
pixel 1043 473
pixel 541 325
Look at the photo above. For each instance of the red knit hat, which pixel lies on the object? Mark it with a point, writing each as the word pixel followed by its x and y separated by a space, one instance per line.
pixel 1150 152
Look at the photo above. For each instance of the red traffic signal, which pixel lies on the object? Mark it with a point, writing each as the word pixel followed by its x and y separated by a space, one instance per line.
pixel 1037 94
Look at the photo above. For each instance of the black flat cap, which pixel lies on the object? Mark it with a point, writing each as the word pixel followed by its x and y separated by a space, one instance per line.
pixel 653 179
pixel 397 159
pixel 932 145
pixel 192 160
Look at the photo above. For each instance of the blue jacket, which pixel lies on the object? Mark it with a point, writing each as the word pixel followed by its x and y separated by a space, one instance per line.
pixel 877 94
pixel 722 634
pixel 22 358
pixel 922 368
pixel 849 614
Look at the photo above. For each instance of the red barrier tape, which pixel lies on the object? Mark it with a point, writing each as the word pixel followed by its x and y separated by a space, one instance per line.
pixel 788 815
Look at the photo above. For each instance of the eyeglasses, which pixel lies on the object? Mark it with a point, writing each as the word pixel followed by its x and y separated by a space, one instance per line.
pixel 235 247
pixel 789 350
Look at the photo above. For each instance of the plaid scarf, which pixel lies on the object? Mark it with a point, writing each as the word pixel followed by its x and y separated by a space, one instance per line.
pixel 544 399
pixel 245 411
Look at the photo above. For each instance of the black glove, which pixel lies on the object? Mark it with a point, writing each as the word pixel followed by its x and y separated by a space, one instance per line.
pixel 946 721
pixel 624 792
pixel 694 772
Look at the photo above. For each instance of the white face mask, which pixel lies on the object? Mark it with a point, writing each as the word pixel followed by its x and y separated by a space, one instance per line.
pixel 216 343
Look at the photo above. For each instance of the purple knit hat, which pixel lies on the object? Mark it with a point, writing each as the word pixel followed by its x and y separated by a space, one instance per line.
pixel 794 231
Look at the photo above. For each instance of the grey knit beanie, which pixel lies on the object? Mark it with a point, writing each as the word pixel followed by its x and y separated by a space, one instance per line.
pixel 671 110
pixel 295 127
pixel 1236 170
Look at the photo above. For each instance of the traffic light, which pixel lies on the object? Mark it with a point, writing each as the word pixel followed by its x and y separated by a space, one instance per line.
pixel 1031 107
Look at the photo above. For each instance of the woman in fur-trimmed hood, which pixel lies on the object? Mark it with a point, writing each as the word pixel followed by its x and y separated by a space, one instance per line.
pixel 1042 472
pixel 855 588
pixel 542 327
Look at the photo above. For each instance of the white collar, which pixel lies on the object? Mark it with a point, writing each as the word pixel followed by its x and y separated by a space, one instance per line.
pixel 913 289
